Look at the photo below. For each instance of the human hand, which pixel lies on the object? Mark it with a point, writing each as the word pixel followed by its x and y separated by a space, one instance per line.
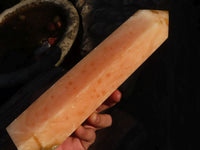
pixel 85 135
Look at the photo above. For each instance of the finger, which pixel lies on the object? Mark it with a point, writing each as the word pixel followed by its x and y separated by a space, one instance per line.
pixel 116 96
pixel 113 99
pixel 99 121
pixel 70 143
pixel 85 134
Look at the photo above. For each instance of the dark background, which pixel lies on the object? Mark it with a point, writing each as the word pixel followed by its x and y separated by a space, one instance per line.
pixel 160 105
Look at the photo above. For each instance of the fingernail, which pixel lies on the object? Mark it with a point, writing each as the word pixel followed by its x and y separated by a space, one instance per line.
pixel 95 117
